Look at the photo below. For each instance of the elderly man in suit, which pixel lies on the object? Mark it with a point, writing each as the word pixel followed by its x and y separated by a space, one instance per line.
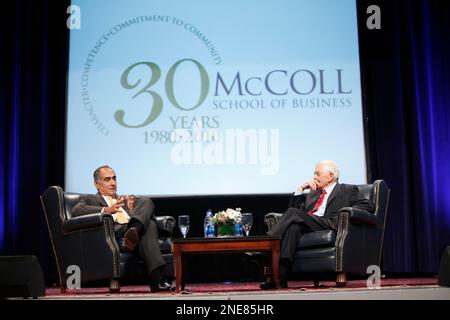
pixel 134 222
pixel 313 207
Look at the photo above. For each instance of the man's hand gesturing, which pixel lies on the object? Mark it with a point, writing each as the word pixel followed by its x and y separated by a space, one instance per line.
pixel 115 207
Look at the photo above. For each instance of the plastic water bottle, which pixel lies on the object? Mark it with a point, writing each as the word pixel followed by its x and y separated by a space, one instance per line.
pixel 209 225
pixel 238 230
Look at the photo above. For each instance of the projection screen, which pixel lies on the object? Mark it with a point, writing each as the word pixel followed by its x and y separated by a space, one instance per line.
pixel 213 97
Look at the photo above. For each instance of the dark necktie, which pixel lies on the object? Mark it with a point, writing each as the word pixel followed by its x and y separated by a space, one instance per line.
pixel 319 202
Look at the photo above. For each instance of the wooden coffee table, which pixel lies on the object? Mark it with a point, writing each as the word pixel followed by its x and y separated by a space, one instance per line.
pixel 225 245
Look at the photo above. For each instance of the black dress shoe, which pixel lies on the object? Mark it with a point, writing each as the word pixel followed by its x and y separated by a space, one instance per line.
pixel 162 286
pixel 267 285
pixel 270 284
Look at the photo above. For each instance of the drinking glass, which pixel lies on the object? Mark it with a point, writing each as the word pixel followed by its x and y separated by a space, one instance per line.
pixel 247 221
pixel 183 224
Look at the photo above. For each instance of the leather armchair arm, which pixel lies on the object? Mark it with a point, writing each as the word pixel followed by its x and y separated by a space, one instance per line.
pixel 271 218
pixel 360 216
pixel 87 221
pixel 165 224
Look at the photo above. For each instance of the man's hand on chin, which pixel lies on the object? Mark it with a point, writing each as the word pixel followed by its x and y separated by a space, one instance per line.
pixel 310 184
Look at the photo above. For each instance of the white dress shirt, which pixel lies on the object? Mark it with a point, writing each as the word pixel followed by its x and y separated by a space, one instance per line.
pixel 110 204
pixel 321 211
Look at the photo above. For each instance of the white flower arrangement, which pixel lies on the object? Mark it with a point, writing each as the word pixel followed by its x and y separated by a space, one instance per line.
pixel 229 216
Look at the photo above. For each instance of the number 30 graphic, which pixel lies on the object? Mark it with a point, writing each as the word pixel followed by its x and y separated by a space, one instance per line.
pixel 157 105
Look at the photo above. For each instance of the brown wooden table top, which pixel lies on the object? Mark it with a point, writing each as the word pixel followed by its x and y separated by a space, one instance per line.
pixel 223 239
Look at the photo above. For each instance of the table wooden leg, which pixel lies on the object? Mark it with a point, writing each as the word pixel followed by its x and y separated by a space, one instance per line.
pixel 276 263
pixel 178 267
pixel 183 279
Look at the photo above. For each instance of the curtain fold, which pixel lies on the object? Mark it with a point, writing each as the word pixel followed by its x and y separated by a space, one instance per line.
pixel 406 82
pixel 32 122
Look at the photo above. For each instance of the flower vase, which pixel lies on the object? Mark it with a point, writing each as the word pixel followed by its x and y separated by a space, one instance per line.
pixel 225 230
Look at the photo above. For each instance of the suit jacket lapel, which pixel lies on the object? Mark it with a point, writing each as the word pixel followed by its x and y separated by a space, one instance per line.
pixel 101 200
pixel 333 194
pixel 125 207
pixel 311 201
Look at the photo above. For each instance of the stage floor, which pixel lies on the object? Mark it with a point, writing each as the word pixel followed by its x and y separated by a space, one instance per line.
pixel 397 289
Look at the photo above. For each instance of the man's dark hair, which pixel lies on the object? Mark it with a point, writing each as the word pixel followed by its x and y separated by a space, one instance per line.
pixel 97 171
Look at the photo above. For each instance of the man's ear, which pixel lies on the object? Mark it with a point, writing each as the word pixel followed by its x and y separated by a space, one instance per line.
pixel 96 185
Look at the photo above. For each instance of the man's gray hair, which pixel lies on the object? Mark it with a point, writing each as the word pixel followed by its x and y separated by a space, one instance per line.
pixel 97 171
pixel 331 166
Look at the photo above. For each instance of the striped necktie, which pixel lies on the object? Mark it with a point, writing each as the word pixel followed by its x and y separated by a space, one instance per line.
pixel 318 203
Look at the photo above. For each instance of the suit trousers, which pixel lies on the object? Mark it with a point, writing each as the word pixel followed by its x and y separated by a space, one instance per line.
pixel 148 246
pixel 292 225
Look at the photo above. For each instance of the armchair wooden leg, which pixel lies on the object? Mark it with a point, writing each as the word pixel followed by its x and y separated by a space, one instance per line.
pixel 114 286
pixel 341 279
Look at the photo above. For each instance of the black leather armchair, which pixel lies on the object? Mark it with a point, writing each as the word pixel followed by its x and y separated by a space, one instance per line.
pixel 89 242
pixel 356 244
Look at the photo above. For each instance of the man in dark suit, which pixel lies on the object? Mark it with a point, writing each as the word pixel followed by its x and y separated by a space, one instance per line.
pixel 134 222
pixel 313 207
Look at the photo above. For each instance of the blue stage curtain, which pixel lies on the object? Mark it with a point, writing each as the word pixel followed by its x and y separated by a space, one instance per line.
pixel 406 85
pixel 33 62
